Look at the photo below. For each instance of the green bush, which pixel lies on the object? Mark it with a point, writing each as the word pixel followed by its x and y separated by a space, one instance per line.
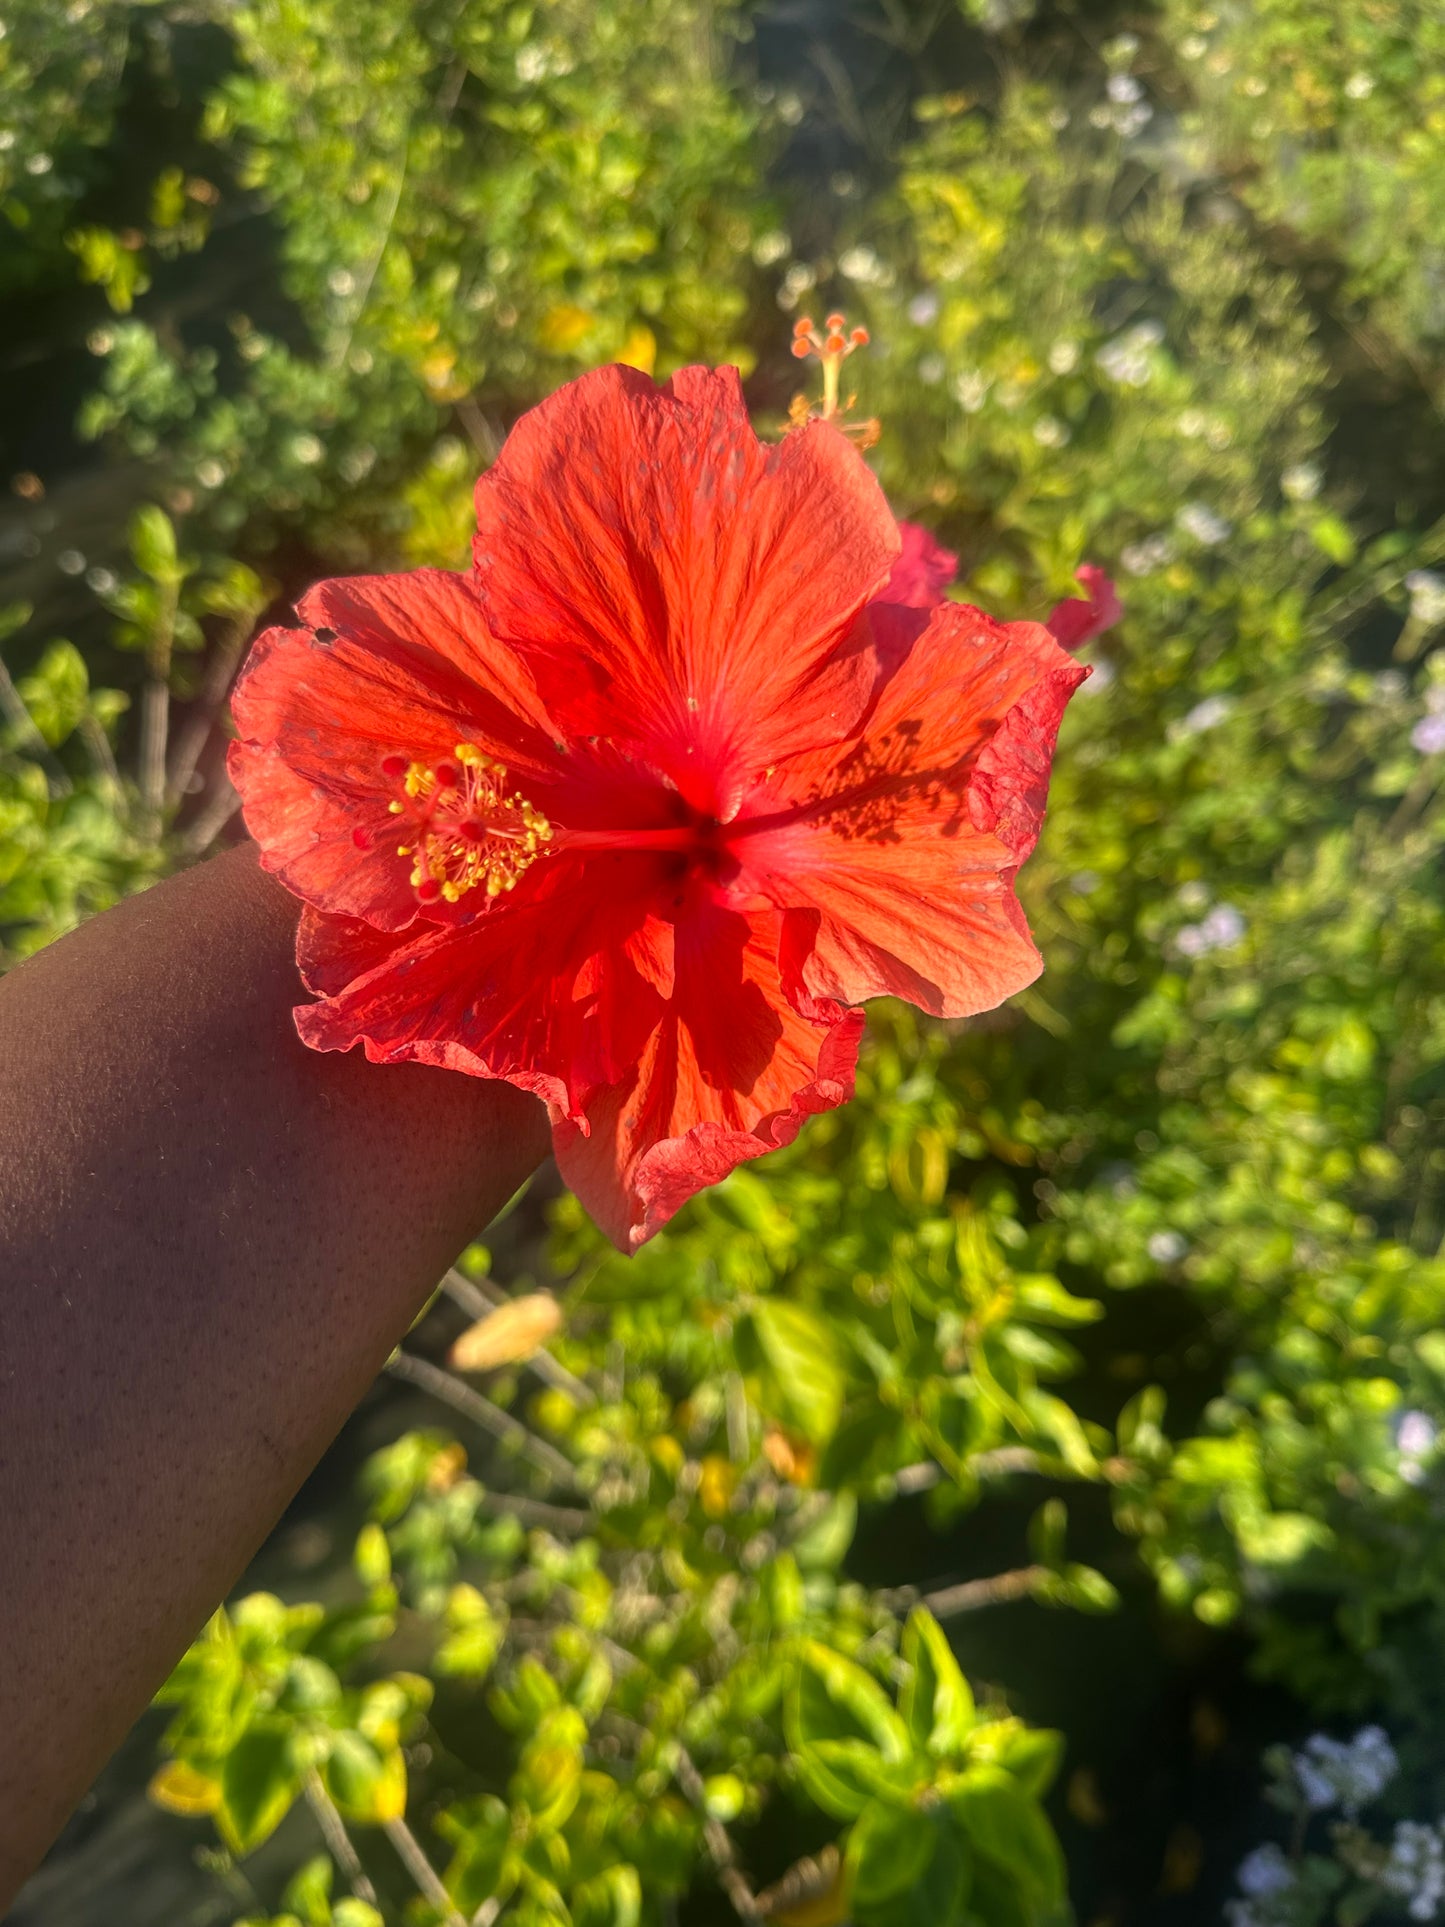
pixel 583 1677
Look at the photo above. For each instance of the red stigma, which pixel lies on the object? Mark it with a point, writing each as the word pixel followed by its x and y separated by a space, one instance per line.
pixel 447 775
pixel 394 766
pixel 428 890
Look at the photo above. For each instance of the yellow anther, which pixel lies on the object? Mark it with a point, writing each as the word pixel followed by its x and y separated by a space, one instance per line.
pixel 468 830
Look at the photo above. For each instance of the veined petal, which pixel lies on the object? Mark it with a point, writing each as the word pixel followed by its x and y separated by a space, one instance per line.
pixel 384 665
pixel 731 1072
pixel 539 991
pixel 897 863
pixel 677 585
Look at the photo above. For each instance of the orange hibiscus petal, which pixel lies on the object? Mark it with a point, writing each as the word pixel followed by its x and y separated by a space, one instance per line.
pixel 678 585
pixel 731 1072
pixel 898 860
pixel 386 665
pixel 538 991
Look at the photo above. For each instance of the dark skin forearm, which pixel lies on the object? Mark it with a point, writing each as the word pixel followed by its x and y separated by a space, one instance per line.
pixel 210 1240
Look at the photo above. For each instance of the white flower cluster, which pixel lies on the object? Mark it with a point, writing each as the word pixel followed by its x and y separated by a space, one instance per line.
pixel 1145 556
pixel 1204 525
pixel 1415 1437
pixel 1265 1874
pixel 1427 596
pixel 1206 715
pixel 1129 357
pixel 1347 1774
pixel 1415 1869
pixel 1220 930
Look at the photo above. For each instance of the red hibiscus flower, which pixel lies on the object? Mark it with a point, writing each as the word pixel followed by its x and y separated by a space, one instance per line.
pixel 636 812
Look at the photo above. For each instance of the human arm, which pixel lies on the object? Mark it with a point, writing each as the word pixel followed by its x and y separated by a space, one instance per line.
pixel 210 1240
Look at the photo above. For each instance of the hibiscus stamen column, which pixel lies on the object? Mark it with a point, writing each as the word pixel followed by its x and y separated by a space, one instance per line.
pixel 467 830
pixel 832 348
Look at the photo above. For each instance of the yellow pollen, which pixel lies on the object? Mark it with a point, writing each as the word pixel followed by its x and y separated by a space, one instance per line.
pixel 467 831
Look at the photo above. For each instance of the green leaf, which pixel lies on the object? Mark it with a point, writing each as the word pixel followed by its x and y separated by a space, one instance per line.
pixel 153 545
pixel 824 1544
pixel 259 1782
pixel 372 1556
pixel 308 1892
pixel 888 1850
pixel 367 1781
pixel 548 1780
pixel 832 1698
pixel 56 692
pixel 802 1372
pixel 1007 1827
pixel 842 1776
pixel 936 1702
pixel 612 1899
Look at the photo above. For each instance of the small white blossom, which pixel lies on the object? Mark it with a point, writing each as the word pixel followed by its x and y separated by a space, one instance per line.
pixel 1344 1773
pixel 1359 87
pixel 39 164
pixel 923 309
pixel 1194 46
pixel 1415 1869
pixel 70 562
pixel 341 282
pixel 1193 896
pixel 1144 557
pixel 1124 89
pixel 771 247
pixel 1428 735
pixel 102 581
pixel 1390 685
pixel 1302 482
pixel 1265 1871
pixel 1203 524
pixel 932 369
pixel 1167 1248
pixel 1206 715
pixel 1084 882
pixel 210 473
pixel 972 388
pixel 1064 357
pixel 1050 432
pixel 863 265
pixel 307 449
pixel 1427 596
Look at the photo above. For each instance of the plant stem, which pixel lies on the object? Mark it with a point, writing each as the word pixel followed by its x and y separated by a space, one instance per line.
pixel 719 1845
pixel 441 1384
pixel 478 1299
pixel 428 1880
pixel 202 720
pixel 155 708
pixel 338 1840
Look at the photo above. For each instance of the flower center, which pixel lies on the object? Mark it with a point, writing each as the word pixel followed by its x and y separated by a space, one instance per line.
pixel 466 831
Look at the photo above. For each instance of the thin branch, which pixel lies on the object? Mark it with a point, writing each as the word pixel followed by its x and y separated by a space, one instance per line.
pixel 202 719
pixel 338 1840
pixel 212 819
pixel 443 1385
pixel 477 1299
pixel 974 1594
pixel 428 1880
pixel 731 1877
pixel 155 706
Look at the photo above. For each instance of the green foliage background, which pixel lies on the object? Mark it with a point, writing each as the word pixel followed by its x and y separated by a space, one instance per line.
pixel 1160 1241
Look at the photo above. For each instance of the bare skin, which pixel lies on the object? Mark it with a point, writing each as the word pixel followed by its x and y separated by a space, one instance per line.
pixel 210 1240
